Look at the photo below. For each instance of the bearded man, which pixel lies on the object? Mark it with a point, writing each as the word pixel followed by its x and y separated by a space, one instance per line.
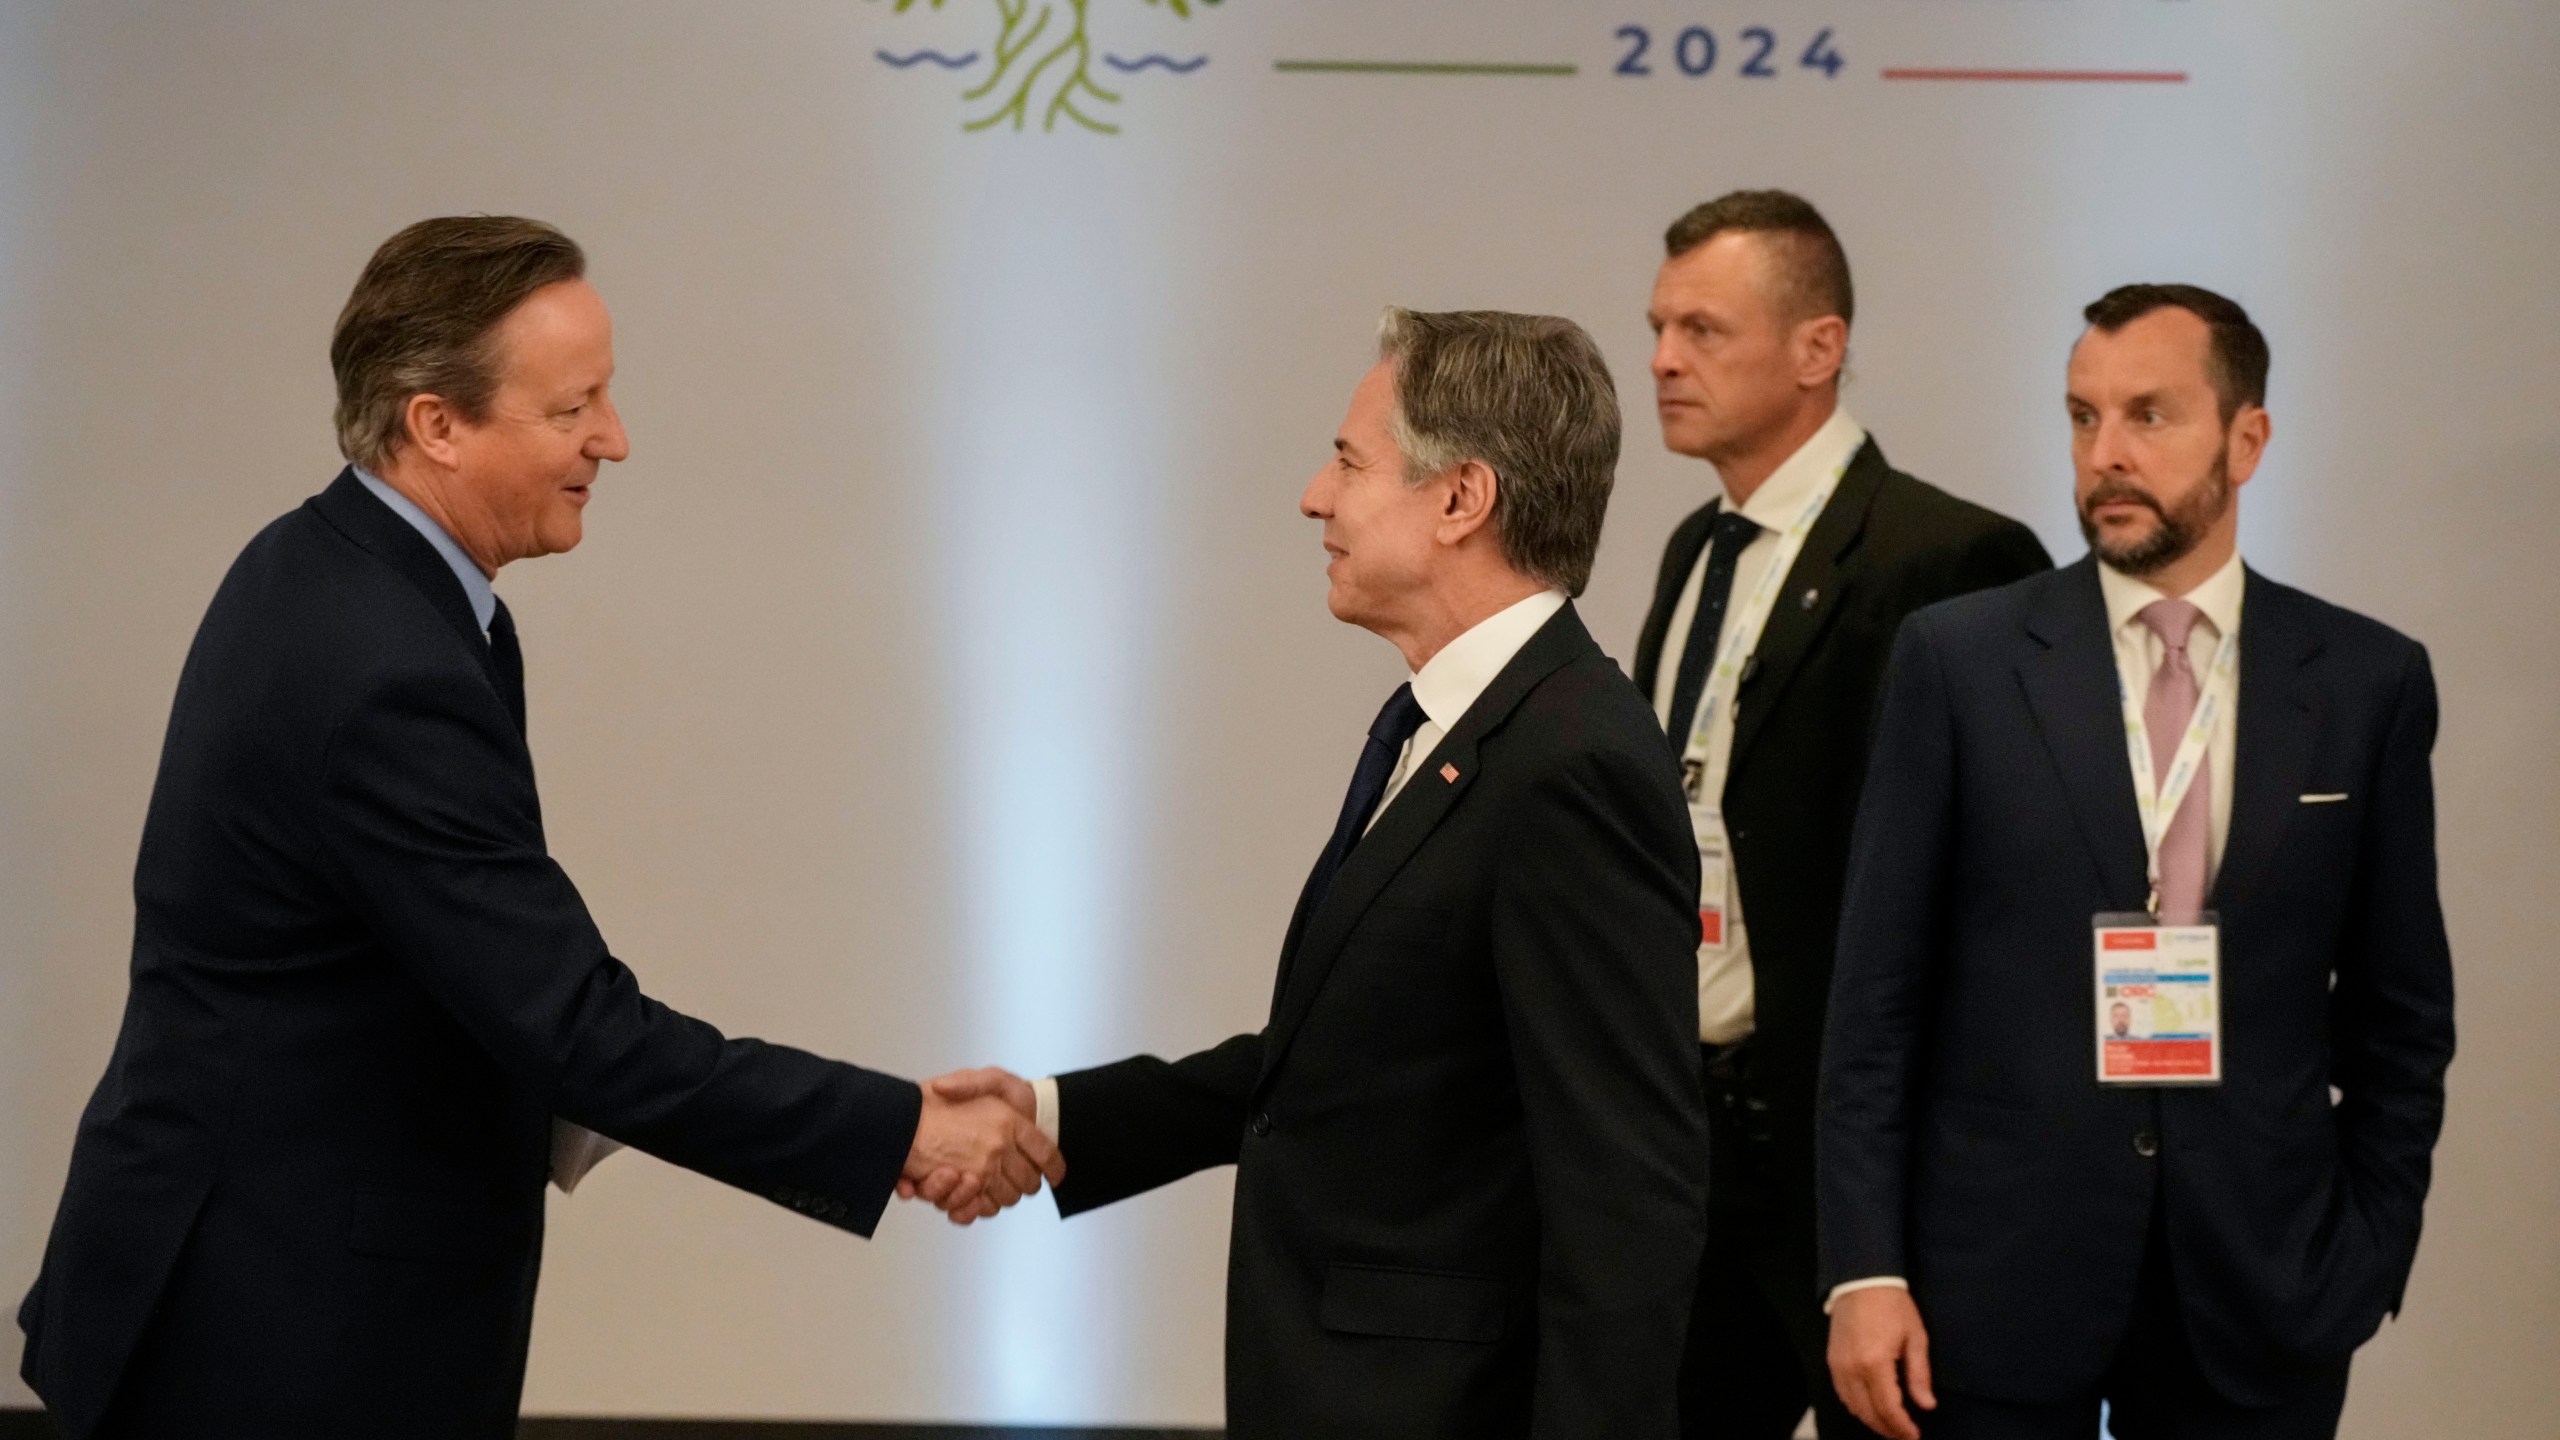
pixel 2090 791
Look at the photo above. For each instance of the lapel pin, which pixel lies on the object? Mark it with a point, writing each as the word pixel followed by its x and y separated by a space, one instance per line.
pixel 1810 596
pixel 1449 773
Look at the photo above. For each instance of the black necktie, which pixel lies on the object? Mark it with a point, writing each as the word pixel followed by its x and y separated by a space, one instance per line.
pixel 1394 726
pixel 1732 533
pixel 509 658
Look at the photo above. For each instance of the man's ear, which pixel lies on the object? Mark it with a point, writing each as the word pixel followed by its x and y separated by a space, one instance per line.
pixel 1821 347
pixel 2251 429
pixel 430 424
pixel 1468 504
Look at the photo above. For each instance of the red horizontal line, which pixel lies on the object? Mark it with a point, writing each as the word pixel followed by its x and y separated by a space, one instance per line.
pixel 2117 77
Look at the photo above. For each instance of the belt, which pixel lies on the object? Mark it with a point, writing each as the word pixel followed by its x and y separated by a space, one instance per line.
pixel 1732 1084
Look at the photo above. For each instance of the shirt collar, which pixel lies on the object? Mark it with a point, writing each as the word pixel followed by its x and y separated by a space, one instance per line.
pixel 1450 681
pixel 475 586
pixel 2218 597
pixel 1823 455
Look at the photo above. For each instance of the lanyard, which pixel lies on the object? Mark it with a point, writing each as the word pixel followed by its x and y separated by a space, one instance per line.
pixel 1742 639
pixel 2159 800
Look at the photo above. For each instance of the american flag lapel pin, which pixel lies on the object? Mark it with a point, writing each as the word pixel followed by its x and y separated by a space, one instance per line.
pixel 1449 773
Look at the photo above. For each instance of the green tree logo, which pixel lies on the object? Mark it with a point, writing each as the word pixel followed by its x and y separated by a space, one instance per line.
pixel 1043 62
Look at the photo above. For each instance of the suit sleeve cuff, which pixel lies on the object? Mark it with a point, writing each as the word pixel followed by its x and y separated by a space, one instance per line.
pixel 1044 1097
pixel 1872 1282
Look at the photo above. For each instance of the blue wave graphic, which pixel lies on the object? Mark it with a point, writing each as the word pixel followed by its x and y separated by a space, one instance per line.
pixel 947 62
pixel 1143 62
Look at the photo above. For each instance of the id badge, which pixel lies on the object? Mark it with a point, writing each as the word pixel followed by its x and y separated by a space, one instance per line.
pixel 1715 877
pixel 2159 1001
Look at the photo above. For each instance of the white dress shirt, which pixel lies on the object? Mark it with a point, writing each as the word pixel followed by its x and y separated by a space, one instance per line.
pixel 2138 657
pixel 1725 1002
pixel 1449 682
pixel 1446 687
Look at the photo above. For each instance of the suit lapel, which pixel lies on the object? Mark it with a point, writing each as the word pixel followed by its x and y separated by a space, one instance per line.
pixel 351 510
pixel 1688 540
pixel 1822 570
pixel 1318 934
pixel 2072 690
pixel 2276 730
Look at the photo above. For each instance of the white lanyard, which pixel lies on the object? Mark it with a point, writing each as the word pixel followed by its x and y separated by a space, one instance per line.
pixel 2159 803
pixel 1742 639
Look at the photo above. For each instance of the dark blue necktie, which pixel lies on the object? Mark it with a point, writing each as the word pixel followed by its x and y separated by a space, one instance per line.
pixel 508 660
pixel 1394 726
pixel 1732 533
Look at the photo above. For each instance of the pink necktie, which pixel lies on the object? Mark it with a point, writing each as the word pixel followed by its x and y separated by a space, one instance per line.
pixel 2166 712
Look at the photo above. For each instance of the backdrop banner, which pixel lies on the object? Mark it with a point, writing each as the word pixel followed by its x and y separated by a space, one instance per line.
pixel 946 678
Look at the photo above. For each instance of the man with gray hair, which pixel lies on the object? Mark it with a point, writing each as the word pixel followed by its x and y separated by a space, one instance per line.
pixel 1469 1144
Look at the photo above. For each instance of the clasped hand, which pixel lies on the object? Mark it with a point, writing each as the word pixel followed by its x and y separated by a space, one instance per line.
pixel 977 1149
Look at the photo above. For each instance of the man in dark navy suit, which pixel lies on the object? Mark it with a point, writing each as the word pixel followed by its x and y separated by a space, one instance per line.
pixel 2154 746
pixel 368 1013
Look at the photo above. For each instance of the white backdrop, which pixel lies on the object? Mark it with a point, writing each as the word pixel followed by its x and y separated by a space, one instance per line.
pixel 946 679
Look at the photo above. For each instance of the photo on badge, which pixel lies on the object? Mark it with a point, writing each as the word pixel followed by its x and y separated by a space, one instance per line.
pixel 2158 1000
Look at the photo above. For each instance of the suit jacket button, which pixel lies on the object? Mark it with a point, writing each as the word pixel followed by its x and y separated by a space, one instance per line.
pixel 1262 1123
pixel 2146 1143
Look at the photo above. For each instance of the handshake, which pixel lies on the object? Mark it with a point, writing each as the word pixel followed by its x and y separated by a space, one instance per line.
pixel 978 1148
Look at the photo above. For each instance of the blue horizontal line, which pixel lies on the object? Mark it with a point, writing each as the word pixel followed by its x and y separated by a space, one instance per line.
pixel 1178 67
pixel 947 62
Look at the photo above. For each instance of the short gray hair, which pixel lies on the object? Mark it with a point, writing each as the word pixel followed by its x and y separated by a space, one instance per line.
pixel 1529 396
pixel 423 320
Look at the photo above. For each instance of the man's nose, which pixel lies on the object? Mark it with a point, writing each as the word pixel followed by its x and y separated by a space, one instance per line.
pixel 1315 501
pixel 1665 363
pixel 2110 452
pixel 610 442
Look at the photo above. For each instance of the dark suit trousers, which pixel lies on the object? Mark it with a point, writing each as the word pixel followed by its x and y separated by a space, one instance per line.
pixel 2154 1389
pixel 1757 1336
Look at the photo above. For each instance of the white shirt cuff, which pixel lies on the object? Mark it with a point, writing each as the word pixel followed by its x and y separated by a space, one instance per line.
pixel 1044 1106
pixel 575 1150
pixel 1872 1282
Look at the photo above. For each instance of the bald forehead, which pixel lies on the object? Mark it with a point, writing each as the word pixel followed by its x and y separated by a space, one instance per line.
pixel 1797 274
pixel 2167 346
pixel 1733 257
pixel 1733 267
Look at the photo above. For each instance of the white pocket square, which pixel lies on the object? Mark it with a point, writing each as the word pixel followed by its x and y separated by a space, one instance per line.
pixel 2324 799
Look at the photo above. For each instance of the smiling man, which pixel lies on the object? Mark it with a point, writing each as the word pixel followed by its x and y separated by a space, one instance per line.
pixel 2137 1048
pixel 1469 1147
pixel 307 1197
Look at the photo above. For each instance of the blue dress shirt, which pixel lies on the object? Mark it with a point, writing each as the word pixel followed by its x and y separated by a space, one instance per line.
pixel 484 600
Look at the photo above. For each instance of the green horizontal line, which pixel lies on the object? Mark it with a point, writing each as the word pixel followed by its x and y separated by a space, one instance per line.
pixel 1416 67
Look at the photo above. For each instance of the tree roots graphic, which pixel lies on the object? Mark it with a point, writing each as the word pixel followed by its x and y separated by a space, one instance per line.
pixel 1043 60
pixel 1017 77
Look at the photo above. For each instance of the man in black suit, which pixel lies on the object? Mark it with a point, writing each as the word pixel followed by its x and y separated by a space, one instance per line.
pixel 306 1198
pixel 2154 733
pixel 1771 619
pixel 1469 1142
